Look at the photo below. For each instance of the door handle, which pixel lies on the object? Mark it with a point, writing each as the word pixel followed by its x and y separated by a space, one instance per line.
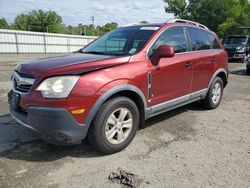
pixel 188 65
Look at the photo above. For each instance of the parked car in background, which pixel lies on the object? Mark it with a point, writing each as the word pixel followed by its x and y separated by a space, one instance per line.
pixel 237 47
pixel 109 88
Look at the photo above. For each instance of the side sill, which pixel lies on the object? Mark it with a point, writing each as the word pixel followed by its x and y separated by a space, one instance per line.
pixel 150 114
pixel 175 103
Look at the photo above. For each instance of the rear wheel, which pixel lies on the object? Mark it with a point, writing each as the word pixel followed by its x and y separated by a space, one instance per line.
pixel 114 125
pixel 214 94
pixel 248 71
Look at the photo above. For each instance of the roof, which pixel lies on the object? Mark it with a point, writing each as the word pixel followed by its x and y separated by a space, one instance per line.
pixel 167 22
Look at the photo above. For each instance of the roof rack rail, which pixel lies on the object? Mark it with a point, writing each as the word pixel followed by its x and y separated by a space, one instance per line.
pixel 132 24
pixel 187 22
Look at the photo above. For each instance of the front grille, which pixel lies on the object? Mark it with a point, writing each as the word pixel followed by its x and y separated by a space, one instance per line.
pixel 22 83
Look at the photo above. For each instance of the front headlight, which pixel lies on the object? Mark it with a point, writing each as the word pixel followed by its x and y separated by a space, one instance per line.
pixel 241 49
pixel 57 87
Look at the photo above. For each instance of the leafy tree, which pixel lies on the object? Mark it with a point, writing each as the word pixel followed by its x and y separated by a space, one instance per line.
pixel 144 22
pixel 221 16
pixel 45 21
pixel 109 27
pixel 177 7
pixel 89 29
pixel 22 22
pixel 50 21
pixel 39 20
pixel 4 24
pixel 239 16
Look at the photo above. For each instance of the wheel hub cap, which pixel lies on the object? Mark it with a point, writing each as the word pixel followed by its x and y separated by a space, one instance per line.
pixel 216 93
pixel 119 125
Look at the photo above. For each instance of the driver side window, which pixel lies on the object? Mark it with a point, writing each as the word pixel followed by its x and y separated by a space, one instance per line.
pixel 174 37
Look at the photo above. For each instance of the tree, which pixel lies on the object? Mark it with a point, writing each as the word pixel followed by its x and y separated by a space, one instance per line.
pixel 48 21
pixel 4 24
pixel 22 22
pixel 109 27
pixel 144 22
pixel 219 15
pixel 177 7
pixel 39 20
pixel 239 16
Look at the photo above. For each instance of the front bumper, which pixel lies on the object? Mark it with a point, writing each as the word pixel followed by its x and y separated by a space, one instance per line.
pixel 55 125
pixel 237 57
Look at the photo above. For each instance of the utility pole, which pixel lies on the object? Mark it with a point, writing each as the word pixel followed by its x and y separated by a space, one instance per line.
pixel 85 30
pixel 93 22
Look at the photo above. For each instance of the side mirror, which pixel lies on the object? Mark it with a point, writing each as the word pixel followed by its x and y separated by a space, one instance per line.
pixel 161 52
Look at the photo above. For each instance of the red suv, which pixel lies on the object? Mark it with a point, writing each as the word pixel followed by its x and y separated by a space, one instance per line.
pixel 108 89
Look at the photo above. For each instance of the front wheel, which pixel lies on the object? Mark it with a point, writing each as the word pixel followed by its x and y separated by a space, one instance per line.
pixel 214 94
pixel 114 126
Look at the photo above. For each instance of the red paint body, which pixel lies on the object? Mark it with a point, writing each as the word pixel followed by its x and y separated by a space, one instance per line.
pixel 170 78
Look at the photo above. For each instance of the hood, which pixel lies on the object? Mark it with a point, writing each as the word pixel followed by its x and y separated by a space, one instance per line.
pixel 75 63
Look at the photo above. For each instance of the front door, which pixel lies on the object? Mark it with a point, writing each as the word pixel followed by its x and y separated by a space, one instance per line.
pixel 171 79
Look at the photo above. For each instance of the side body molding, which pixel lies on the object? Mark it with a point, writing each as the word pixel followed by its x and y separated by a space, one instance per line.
pixel 109 93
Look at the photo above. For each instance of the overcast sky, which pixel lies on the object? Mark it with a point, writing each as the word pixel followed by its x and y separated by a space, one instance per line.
pixel 79 11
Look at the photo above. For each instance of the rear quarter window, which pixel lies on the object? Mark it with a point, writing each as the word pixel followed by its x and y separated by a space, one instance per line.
pixel 213 41
pixel 199 39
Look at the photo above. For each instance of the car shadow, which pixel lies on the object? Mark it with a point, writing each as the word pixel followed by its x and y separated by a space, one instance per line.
pixel 196 106
pixel 241 72
pixel 20 143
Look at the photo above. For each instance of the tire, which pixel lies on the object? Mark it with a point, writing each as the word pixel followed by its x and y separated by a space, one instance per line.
pixel 248 71
pixel 211 101
pixel 108 120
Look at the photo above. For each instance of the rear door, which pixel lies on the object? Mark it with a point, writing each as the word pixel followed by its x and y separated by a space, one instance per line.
pixel 203 59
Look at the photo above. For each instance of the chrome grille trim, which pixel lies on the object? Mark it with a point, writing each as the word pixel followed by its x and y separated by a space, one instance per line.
pixel 23 80
pixel 22 83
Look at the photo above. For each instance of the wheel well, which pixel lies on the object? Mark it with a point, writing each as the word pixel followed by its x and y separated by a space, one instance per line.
pixel 223 76
pixel 137 100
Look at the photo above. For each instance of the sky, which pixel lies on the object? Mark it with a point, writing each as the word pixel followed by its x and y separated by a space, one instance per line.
pixel 74 12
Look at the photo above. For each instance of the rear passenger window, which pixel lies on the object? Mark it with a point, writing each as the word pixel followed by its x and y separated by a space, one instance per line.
pixel 174 37
pixel 199 39
pixel 213 41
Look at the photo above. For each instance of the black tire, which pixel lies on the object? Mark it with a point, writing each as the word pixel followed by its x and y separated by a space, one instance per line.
pixel 208 102
pixel 96 134
pixel 248 71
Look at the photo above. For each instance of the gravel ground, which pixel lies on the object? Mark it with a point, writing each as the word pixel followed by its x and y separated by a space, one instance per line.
pixel 187 147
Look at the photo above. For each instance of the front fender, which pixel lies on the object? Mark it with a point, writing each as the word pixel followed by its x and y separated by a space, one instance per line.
pixel 103 96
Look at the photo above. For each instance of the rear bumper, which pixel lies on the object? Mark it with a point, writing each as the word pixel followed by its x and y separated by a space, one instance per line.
pixel 55 125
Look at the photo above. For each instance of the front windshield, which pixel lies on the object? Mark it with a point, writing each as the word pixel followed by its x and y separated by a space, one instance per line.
pixel 236 40
pixel 120 42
